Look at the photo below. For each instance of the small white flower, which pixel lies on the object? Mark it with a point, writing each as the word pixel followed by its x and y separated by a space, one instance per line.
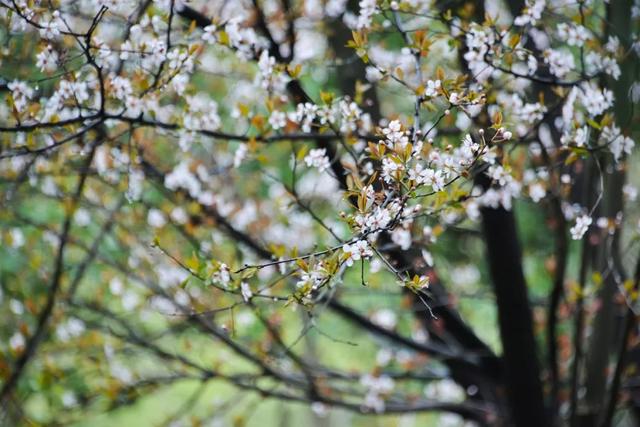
pixel 320 409
pixel 531 13
pixel 395 135
pixel 594 99
pixel 621 145
pixel 240 155
pixel 444 390
pixel 116 286
pixel 560 63
pixel 317 157
pixel 373 74
pixel 580 228
pixel 209 34
pixel 602 222
pixel 51 29
pixel 121 88
pixel 582 136
pixel 390 170
pixel 155 218
pixel 69 399
pixel 82 217
pixel 532 65
pixel 402 238
pixel 176 58
pixel 574 35
pixel 21 93
pixel 16 307
pixel 385 318
pixel 17 238
pixel 277 120
pixel 179 215
pixel 630 192
pixel 125 49
pixel 432 88
pixel 245 289
pixel 17 341
pixel 537 192
pixel 367 10
pixel 357 251
pixel 223 275
pixel 47 60
pixel 377 387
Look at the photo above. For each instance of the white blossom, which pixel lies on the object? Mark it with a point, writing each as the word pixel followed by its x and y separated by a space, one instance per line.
pixel 432 88
pixel 277 120
pixel 574 35
pixel 17 341
pixel 560 63
pixel 51 29
pixel 47 59
pixel 155 218
pixel 21 93
pixel 537 192
pixel 357 251
pixel 246 292
pixel 532 13
pixel 581 226
pixel 318 158
pixel 209 33
pixel 385 318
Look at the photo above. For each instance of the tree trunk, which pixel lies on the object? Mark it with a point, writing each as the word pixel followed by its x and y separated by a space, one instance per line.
pixel 521 370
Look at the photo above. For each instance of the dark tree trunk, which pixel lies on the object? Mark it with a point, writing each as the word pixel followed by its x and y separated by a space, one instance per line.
pixel 521 370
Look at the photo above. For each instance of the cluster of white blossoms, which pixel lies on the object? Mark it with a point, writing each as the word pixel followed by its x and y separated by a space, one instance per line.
pixel 317 158
pixel 222 275
pixel 479 41
pixel 359 250
pixel 574 35
pixel 277 120
pixel 415 166
pixel 202 113
pixel 427 176
pixel 502 195
pixel 446 390
pixel 524 113
pixel 395 135
pixel 377 388
pixel 50 28
pixel 598 63
pixel 70 329
pixel 246 291
pixel 432 88
pixel 244 39
pixel 377 218
pixel 594 99
pixel 581 226
pixel 21 92
pixel 532 13
pixel 268 77
pixel 343 113
pixel 619 144
pixel 47 59
pixel 560 62
pixel 535 180
pixel 367 11
pixel 313 278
